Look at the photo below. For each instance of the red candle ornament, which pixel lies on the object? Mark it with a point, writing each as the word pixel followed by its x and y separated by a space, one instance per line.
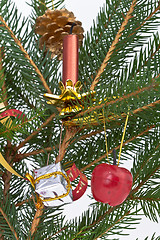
pixel 70 58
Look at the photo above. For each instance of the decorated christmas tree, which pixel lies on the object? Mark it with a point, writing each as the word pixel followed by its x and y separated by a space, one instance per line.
pixel 76 110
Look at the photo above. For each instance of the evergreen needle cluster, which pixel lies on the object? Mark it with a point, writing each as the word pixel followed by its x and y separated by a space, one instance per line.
pixel 120 60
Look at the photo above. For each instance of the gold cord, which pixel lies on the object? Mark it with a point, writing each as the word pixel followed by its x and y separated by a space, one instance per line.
pixel 120 150
pixel 48 175
pixel 43 3
pixel 53 8
pixel 60 140
pixel 105 136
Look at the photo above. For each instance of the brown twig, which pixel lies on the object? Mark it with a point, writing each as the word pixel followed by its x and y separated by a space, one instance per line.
pixel 143 164
pixel 10 226
pixel 4 90
pixel 35 132
pixel 110 151
pixel 23 202
pixel 56 233
pixel 70 133
pixel 26 55
pixel 146 107
pixel 145 180
pixel 144 198
pixel 153 85
pixel 120 219
pixel 98 75
pixel 156 10
pixel 114 43
pixel 19 125
pixel 87 135
pixel 36 221
pixel 48 149
pixel 109 20
pixel 90 134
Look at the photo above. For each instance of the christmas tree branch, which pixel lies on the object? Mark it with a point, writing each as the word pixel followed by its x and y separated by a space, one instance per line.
pixel 150 199
pixel 23 202
pixel 56 233
pixel 4 90
pixel 143 164
pixel 19 125
pixel 145 180
pixel 70 133
pixel 123 115
pixel 109 20
pixel 49 149
pixel 113 46
pixel 110 210
pixel 8 222
pixel 22 156
pixel 25 155
pixel 119 220
pixel 26 101
pixel 35 132
pixel 151 57
pixel 99 220
pixel 87 135
pixel 36 221
pixel 110 151
pixel 6 176
pixel 135 93
pixel 148 18
pixel 146 107
pixel 26 55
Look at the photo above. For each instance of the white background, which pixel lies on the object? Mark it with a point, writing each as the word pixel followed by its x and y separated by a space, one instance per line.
pixel 86 11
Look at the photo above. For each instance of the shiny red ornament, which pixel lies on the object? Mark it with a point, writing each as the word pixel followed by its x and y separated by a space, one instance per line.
pixel 80 189
pixel 111 184
pixel 12 113
pixel 70 58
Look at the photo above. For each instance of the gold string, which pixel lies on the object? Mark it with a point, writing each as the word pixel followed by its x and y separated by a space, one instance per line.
pixel 60 140
pixel 43 3
pixel 125 126
pixel 48 175
pixel 53 5
pixel 105 136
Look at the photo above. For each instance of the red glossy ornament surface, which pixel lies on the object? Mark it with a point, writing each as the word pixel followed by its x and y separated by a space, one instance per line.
pixel 70 58
pixel 111 184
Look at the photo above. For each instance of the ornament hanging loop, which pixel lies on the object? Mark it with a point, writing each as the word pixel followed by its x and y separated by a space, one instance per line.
pixel 105 136
pixel 71 29
pixel 125 126
pixel 114 157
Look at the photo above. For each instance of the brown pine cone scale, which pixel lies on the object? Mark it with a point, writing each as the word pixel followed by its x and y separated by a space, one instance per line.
pixel 53 26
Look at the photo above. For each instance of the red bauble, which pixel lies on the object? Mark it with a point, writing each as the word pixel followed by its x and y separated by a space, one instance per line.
pixel 111 184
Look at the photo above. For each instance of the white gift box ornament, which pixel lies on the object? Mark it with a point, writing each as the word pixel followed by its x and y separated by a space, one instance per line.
pixel 52 185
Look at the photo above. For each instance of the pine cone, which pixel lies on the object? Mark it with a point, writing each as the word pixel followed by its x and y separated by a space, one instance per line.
pixel 53 26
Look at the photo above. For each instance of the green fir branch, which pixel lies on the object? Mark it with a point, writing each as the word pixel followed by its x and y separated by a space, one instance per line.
pixel 25 54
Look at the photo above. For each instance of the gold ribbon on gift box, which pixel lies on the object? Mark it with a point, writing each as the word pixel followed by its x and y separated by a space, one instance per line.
pixel 8 167
pixel 34 181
